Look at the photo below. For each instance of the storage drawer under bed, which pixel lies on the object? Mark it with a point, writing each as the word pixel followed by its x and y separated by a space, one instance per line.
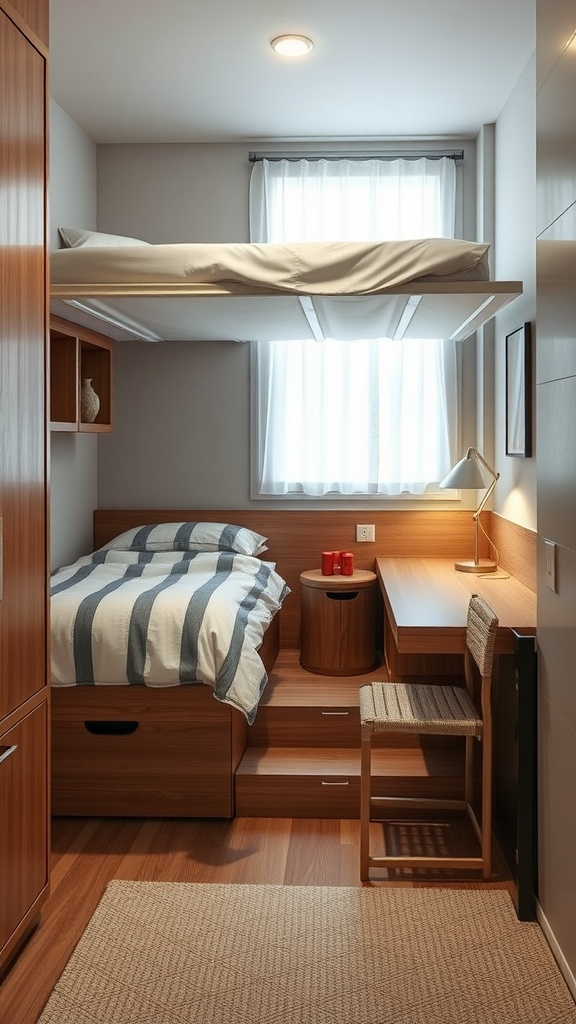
pixel 140 751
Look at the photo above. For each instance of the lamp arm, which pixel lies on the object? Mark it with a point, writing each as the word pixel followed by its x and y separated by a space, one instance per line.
pixel 486 496
pixel 480 458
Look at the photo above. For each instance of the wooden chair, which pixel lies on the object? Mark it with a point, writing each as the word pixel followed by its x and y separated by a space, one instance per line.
pixel 448 710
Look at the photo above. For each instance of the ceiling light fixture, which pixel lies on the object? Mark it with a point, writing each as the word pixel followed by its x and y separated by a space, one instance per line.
pixel 291 46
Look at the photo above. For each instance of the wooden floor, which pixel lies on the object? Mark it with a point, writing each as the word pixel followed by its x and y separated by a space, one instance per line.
pixel 88 852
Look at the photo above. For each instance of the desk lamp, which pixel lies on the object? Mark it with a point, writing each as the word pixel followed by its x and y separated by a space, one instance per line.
pixel 470 473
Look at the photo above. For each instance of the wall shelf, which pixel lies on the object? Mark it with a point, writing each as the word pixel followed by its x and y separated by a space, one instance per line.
pixel 76 353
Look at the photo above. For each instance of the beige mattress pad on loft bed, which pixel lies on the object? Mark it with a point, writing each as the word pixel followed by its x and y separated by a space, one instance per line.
pixel 426 288
pixel 307 268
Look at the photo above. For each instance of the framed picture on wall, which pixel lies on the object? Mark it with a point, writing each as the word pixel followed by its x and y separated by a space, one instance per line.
pixel 519 392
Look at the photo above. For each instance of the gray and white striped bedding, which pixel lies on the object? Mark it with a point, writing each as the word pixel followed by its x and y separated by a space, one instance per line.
pixel 165 619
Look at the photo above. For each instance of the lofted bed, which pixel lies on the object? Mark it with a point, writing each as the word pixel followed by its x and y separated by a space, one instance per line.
pixel 128 290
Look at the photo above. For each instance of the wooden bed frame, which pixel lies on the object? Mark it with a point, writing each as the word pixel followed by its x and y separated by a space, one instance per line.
pixel 136 751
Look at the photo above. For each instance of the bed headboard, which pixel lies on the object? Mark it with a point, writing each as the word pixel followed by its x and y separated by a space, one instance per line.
pixel 296 538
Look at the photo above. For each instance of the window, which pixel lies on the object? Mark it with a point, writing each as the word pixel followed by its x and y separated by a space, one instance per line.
pixel 357 418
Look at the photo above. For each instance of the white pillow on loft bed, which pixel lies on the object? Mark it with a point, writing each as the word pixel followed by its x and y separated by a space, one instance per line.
pixel 76 238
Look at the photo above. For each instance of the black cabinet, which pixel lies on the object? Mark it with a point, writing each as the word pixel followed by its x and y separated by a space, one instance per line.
pixel 515 809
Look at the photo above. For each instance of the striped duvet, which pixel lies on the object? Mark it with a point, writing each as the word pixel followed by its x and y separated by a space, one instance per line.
pixel 165 619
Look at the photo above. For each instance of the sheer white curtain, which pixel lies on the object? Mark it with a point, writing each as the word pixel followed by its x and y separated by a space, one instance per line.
pixel 361 417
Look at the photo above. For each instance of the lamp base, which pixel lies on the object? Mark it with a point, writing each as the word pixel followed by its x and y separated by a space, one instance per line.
pixel 482 565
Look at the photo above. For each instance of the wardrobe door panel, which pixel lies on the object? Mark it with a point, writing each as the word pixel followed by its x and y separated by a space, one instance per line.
pixel 24 815
pixel 22 368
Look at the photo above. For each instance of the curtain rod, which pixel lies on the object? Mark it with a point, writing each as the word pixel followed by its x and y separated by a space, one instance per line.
pixel 373 154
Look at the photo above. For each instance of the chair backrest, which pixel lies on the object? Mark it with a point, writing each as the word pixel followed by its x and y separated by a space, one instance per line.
pixel 481 630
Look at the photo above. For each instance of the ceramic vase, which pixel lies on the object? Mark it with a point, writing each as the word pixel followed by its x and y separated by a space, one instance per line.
pixel 89 401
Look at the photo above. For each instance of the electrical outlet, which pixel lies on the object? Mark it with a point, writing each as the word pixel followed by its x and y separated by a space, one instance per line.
pixel 365 533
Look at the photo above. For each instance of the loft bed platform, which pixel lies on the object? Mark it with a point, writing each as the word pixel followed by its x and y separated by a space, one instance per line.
pixel 426 288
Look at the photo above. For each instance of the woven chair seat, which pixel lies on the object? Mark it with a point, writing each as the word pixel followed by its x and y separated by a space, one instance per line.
pixel 412 707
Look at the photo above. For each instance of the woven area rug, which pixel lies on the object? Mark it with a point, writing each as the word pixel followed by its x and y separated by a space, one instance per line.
pixel 177 953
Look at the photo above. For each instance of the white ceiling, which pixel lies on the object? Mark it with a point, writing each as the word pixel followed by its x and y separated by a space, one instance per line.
pixel 203 70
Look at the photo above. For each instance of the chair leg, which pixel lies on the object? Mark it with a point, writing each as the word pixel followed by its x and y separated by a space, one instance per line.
pixel 469 770
pixel 487 798
pixel 365 793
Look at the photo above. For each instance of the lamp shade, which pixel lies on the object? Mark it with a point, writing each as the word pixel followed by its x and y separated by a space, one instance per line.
pixel 466 474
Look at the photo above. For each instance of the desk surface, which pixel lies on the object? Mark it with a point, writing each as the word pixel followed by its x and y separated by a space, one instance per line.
pixel 426 602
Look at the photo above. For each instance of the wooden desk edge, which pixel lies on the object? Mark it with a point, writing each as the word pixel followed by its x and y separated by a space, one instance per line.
pixel 431 638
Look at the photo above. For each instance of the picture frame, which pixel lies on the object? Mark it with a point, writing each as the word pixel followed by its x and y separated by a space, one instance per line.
pixel 519 392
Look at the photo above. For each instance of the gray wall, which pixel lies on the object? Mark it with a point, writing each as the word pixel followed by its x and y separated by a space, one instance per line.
pixel 73 457
pixel 182 412
pixel 199 193
pixel 187 192
pixel 556 411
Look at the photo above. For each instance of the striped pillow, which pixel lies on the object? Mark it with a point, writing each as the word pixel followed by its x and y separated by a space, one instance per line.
pixel 189 537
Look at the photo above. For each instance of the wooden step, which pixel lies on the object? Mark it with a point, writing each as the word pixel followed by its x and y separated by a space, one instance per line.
pixel 300 708
pixel 291 685
pixel 325 726
pixel 305 782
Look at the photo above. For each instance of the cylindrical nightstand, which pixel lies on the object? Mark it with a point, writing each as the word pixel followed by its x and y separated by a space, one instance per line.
pixel 338 623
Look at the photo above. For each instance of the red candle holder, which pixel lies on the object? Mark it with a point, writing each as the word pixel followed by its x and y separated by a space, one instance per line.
pixel 347 563
pixel 327 563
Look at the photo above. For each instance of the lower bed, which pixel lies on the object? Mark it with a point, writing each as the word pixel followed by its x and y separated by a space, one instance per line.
pixel 144 752
pixel 158 743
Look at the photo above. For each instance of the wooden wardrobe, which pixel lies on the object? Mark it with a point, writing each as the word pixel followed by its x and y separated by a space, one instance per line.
pixel 24 694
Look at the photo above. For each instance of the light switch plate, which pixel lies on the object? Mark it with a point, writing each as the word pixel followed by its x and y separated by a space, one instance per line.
pixel 550 552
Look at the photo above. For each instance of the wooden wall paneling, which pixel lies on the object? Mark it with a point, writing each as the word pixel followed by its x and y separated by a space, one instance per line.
pixel 31 16
pixel 516 547
pixel 296 539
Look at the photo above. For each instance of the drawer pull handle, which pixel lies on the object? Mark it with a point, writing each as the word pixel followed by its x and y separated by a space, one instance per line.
pixel 344 783
pixel 111 728
pixel 342 595
pixel 343 714
pixel 6 751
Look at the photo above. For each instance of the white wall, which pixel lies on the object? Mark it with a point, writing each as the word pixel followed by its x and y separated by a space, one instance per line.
pixel 515 257
pixel 73 457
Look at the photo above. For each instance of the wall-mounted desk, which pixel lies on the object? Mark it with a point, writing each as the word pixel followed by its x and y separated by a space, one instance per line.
pixel 425 608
